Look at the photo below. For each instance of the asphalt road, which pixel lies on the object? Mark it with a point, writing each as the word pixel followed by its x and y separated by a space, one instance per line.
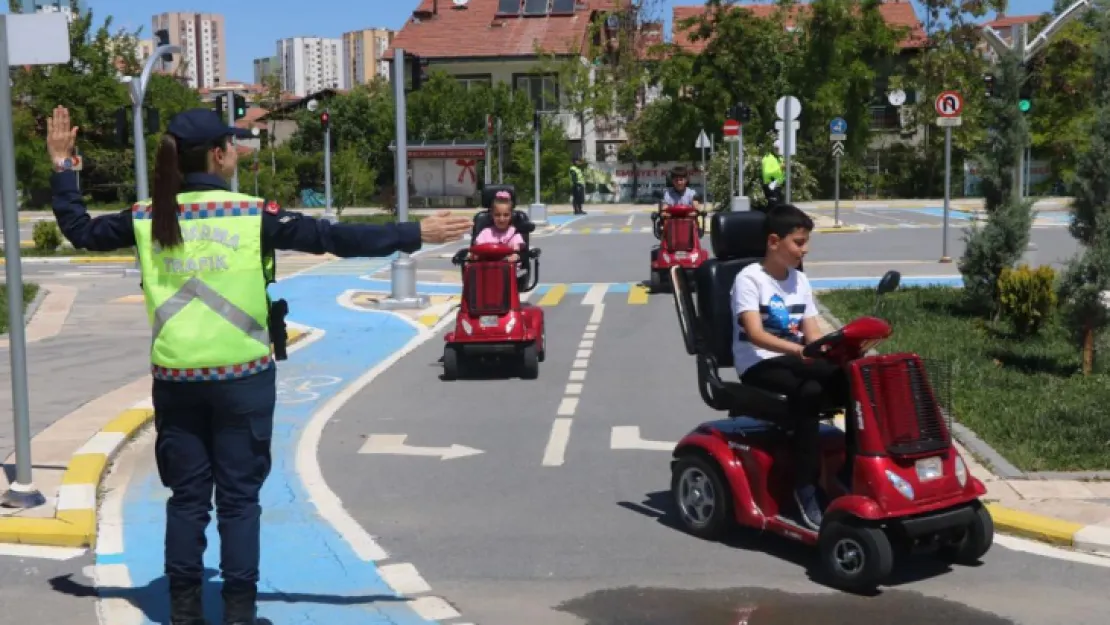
pixel 550 525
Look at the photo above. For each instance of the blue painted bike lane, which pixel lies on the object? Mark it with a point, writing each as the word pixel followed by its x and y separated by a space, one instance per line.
pixel 309 572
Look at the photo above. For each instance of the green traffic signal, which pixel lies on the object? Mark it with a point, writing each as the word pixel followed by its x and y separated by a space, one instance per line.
pixel 1024 105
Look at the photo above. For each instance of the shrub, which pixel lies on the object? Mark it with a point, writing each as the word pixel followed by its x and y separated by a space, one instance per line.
pixel 47 236
pixel 1027 297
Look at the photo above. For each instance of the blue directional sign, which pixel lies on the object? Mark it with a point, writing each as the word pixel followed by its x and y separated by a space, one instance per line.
pixel 838 126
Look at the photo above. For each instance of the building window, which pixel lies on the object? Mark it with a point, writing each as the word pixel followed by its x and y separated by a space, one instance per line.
pixel 475 81
pixel 542 89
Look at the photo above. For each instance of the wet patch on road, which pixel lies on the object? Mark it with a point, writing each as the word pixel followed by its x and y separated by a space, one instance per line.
pixel 759 606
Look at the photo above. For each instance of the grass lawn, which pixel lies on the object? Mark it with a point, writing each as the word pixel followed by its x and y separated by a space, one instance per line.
pixel 377 220
pixel 29 293
pixel 1024 397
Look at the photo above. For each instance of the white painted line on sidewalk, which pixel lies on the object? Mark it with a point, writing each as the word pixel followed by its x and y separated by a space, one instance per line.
pixel 555 453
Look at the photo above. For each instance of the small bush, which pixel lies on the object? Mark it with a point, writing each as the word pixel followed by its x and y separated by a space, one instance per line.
pixel 47 236
pixel 1027 297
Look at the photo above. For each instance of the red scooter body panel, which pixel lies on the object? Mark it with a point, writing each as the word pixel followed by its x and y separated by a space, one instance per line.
pixel 680 243
pixel 502 318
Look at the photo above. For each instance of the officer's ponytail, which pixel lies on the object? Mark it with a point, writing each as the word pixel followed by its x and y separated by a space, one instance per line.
pixel 165 228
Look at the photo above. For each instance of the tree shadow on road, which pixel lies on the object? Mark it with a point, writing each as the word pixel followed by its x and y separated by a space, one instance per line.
pixel 153 599
pixel 660 506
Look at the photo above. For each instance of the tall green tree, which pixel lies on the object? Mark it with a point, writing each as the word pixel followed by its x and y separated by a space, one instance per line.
pixel 1087 277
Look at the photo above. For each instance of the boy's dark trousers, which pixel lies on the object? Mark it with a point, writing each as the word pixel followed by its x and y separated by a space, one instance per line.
pixel 809 385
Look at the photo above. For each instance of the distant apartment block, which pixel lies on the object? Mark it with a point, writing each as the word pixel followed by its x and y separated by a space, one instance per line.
pixel 363 55
pixel 143 49
pixel 203 41
pixel 266 67
pixel 69 7
pixel 311 64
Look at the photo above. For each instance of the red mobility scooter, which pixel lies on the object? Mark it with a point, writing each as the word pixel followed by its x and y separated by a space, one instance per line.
pixel 679 230
pixel 895 479
pixel 492 322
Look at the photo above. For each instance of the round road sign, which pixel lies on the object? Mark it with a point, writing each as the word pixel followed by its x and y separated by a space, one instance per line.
pixel 731 128
pixel 949 104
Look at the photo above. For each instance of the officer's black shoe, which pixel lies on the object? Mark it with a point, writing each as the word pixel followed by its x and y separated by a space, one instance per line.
pixel 185 603
pixel 240 605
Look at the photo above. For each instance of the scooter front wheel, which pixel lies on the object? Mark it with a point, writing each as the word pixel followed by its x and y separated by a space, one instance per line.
pixel 855 556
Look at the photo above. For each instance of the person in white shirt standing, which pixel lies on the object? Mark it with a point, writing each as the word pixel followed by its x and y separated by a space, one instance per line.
pixel 776 316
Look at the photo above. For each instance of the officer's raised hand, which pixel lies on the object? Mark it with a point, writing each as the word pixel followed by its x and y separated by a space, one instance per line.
pixel 443 227
pixel 60 136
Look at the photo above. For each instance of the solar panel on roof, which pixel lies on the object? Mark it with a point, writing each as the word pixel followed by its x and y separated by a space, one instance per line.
pixel 535 7
pixel 563 7
pixel 508 7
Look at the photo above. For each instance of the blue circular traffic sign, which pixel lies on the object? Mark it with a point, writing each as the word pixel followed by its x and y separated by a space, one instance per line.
pixel 838 126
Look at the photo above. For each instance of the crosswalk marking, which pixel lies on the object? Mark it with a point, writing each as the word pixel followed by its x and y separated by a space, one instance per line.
pixel 638 294
pixel 552 295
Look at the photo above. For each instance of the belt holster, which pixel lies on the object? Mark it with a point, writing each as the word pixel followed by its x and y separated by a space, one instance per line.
pixel 278 311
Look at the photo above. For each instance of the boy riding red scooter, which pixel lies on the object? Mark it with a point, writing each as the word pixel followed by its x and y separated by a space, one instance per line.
pixel 679 225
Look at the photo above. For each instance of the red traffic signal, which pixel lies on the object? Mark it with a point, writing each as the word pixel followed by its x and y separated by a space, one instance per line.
pixel 324 119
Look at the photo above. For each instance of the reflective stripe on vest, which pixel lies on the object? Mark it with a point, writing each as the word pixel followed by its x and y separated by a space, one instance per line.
pixel 206 299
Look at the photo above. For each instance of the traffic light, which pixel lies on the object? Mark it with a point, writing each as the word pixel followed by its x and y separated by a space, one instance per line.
pixel 988 81
pixel 1025 97
pixel 240 106
pixel 123 134
pixel 417 71
pixel 537 125
pixel 740 112
pixel 324 119
pixel 163 37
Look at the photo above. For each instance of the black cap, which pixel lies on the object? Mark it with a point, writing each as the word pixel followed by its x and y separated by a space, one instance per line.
pixel 202 127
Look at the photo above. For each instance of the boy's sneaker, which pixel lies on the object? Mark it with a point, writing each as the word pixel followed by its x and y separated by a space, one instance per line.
pixel 809 508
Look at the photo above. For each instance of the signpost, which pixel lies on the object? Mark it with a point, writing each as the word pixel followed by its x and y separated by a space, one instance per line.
pixel 838 133
pixel 949 106
pixel 788 108
pixel 703 144
pixel 25 39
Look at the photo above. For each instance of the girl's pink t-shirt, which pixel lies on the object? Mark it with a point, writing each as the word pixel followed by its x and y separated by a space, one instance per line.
pixel 508 236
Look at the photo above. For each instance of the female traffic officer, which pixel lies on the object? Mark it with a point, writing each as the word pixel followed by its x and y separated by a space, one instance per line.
pixel 207 256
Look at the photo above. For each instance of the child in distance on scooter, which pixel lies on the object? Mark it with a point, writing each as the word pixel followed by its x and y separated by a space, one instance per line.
pixel 502 231
pixel 776 316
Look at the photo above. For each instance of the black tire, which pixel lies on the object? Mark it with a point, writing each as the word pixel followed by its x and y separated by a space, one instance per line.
pixel 543 341
pixel 450 363
pixel 714 522
pixel 854 556
pixel 530 365
pixel 975 542
pixel 656 284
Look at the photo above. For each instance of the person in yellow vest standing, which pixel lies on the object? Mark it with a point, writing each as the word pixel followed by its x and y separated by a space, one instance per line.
pixel 207 257
pixel 578 186
pixel 773 179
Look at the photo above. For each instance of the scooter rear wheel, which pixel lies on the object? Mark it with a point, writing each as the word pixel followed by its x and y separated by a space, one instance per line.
pixel 530 367
pixel 854 556
pixel 450 363
pixel 702 497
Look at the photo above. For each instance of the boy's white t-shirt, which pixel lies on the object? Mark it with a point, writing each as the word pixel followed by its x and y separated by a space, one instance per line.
pixel 782 305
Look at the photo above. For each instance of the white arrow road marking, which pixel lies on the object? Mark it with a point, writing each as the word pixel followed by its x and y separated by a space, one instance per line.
pixel 394 444
pixel 628 437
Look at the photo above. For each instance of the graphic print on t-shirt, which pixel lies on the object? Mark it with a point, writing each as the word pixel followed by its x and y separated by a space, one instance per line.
pixel 777 318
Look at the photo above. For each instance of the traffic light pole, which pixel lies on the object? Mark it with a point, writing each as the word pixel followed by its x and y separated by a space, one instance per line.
pixel 229 103
pixel 328 211
pixel 138 85
pixel 402 275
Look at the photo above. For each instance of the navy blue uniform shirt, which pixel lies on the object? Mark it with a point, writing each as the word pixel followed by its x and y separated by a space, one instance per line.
pixel 285 230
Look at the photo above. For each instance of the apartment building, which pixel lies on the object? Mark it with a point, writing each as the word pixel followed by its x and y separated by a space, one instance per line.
pixel 55 6
pixel 363 55
pixel 311 64
pixel 266 67
pixel 203 41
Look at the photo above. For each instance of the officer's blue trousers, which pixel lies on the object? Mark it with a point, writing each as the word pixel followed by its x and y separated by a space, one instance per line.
pixel 214 434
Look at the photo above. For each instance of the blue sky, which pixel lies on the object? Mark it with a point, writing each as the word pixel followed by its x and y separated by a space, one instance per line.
pixel 254 26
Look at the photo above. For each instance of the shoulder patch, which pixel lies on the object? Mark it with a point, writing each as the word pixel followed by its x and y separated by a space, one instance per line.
pixel 273 208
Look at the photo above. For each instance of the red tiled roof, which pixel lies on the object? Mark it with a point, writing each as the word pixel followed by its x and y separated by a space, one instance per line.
pixel 897 14
pixel 476 31
pixel 1004 21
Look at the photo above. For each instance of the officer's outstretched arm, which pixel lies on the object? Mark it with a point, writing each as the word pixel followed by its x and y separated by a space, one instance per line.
pixel 99 234
pixel 289 230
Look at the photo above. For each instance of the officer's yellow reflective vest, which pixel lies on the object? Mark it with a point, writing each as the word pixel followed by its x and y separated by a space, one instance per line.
pixel 772 169
pixel 576 176
pixel 206 299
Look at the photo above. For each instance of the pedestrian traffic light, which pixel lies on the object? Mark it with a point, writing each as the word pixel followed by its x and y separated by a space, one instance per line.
pixel 324 119
pixel 240 106
pixel 988 81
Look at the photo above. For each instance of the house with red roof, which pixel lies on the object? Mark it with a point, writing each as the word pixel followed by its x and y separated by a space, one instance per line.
pixel 482 42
